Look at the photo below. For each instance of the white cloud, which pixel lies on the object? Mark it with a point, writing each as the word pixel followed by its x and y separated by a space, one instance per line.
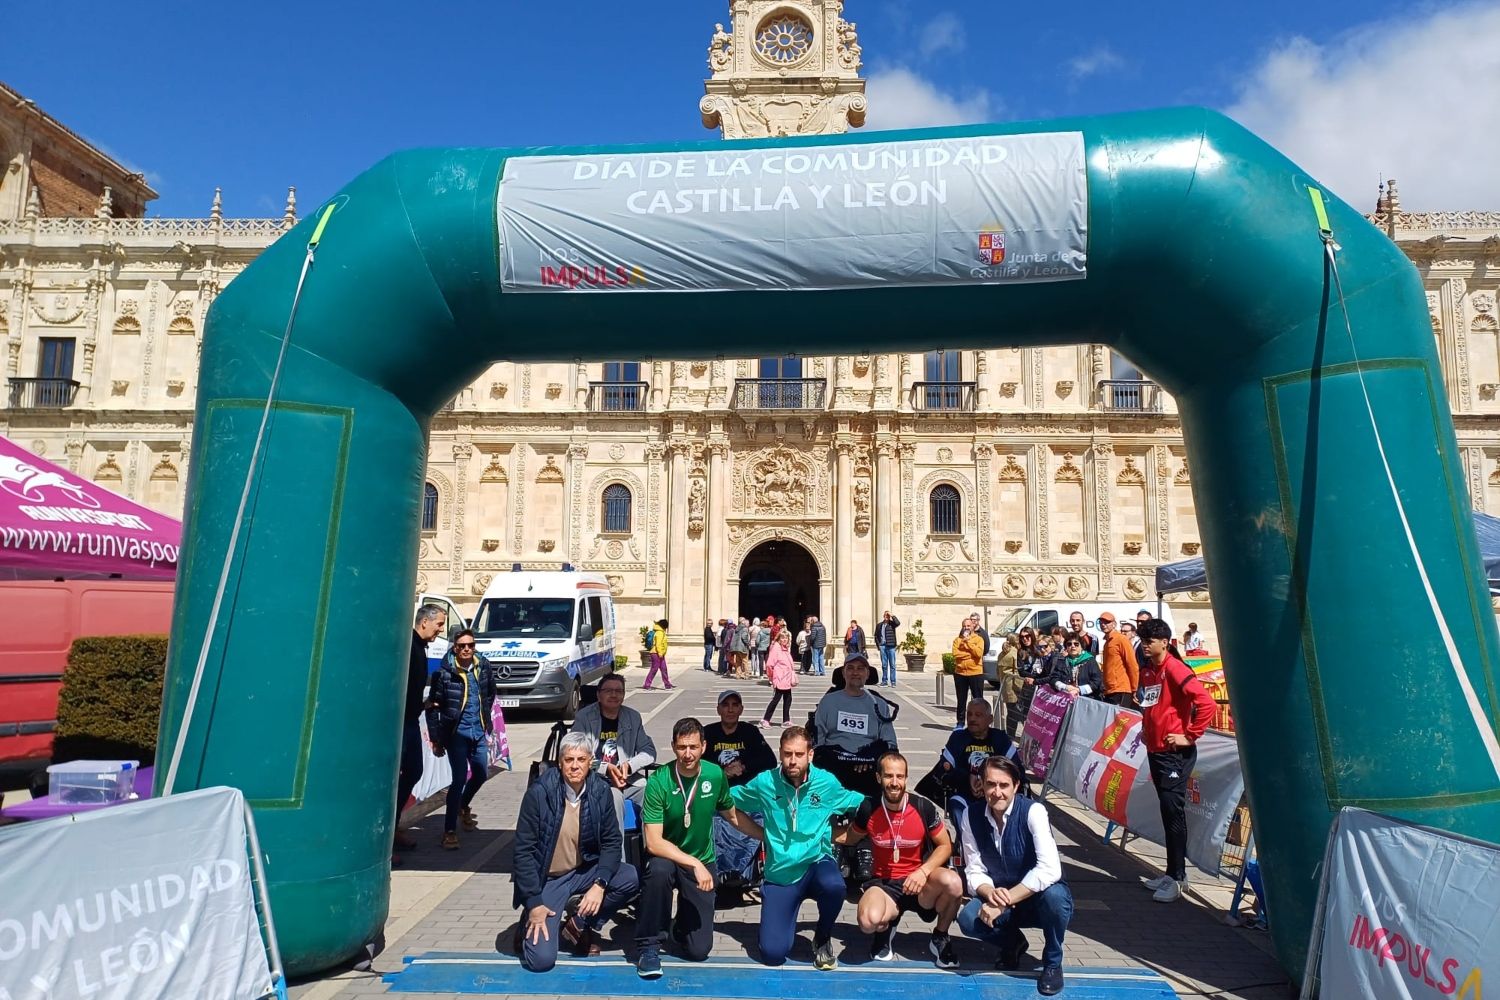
pixel 899 98
pixel 1097 60
pixel 1417 99
pixel 942 33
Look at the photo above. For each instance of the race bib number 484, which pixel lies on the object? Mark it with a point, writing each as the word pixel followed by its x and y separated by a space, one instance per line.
pixel 853 722
pixel 1150 695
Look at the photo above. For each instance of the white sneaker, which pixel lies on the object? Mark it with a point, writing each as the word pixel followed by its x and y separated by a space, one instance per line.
pixel 1153 884
pixel 1169 893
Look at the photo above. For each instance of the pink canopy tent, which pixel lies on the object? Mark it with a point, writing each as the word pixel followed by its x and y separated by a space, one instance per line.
pixel 53 523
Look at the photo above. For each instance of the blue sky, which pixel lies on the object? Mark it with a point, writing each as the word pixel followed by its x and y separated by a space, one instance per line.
pixel 254 97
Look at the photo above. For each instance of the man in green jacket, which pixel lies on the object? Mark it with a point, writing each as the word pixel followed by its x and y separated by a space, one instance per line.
pixel 798 803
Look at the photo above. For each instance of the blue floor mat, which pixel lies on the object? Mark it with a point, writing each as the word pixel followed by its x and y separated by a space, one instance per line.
pixel 744 979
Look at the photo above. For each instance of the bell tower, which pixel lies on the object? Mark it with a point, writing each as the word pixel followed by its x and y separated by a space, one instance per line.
pixel 784 67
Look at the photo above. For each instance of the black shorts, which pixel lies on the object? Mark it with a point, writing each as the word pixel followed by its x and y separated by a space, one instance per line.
pixel 906 902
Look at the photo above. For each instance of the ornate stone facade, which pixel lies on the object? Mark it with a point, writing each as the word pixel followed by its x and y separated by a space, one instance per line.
pixel 1061 494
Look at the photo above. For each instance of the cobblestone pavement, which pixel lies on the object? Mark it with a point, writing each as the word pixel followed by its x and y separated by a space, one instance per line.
pixel 461 900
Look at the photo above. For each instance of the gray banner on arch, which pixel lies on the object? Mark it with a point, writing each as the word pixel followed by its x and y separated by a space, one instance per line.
pixel 998 209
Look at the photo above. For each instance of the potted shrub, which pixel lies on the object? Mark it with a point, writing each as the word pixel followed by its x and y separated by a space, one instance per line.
pixel 948 664
pixel 914 645
pixel 645 648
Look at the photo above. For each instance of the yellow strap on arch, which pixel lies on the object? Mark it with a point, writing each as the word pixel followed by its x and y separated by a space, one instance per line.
pixel 322 225
pixel 1319 207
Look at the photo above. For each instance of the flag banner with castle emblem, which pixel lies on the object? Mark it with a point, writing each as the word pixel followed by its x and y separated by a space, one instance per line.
pixel 1100 760
pixel 1405 911
pixel 999 209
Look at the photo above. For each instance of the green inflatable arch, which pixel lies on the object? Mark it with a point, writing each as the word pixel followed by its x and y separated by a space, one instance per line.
pixel 1204 265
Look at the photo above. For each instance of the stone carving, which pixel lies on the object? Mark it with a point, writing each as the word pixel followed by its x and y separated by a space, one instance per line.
pixel 616 584
pixel 59 310
pixel 1064 389
pixel 861 506
pixel 945 455
pixel 849 49
pixel 614 548
pixel 549 472
pixel 546 545
pixel 1135 588
pixel 616 452
pixel 779 480
pixel 129 307
pixel 1068 472
pixel 494 472
pixel 697 504
pixel 1070 548
pixel 1013 545
pixel 1199 596
pixel 1183 478
pixel 1130 475
pixel 1046 586
pixel 720 50
pixel 422 549
pixel 1191 548
pixel 1011 471
pixel 119 387
pixel 108 470
pixel 947 585
pixel 1014 586
pixel 1133 548
pixel 946 551
pixel 481 583
pixel 498 390
pixel 1077 587
pixel 489 544
pixel 862 365
pixel 421 582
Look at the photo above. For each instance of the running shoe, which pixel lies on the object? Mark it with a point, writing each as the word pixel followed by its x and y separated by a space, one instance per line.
pixel 880 946
pixel 648 962
pixel 823 959
pixel 1153 884
pixel 943 955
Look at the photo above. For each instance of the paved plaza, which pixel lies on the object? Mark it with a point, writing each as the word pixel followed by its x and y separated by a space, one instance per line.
pixel 460 901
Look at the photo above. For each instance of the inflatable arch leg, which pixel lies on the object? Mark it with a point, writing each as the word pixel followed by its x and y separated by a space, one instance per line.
pixel 1204 266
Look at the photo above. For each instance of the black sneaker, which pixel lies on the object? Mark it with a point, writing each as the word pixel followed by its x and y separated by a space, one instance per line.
pixel 648 961
pixel 823 959
pixel 880 946
pixel 943 955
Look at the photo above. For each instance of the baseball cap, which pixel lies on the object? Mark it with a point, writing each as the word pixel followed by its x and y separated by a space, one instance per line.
pixel 731 693
pixel 859 657
pixel 1106 616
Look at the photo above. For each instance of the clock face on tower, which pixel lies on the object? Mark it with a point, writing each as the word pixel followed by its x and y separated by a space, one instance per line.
pixel 784 39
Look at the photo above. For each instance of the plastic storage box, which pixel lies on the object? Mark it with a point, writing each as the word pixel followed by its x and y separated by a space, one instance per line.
pixel 91 781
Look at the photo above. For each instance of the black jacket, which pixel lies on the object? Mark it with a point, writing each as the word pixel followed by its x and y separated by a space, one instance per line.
pixel 708 635
pixel 817 636
pixel 885 631
pixel 1089 675
pixel 541 819
pixel 445 701
pixel 416 679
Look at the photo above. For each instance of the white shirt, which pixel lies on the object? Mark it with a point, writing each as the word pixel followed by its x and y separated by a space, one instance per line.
pixel 802 641
pixel 1048 868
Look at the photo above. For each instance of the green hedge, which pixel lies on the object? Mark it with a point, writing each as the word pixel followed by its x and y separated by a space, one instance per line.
pixel 621 662
pixel 111 699
pixel 949 663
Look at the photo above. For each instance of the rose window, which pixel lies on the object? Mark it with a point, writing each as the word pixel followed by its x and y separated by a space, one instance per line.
pixel 784 39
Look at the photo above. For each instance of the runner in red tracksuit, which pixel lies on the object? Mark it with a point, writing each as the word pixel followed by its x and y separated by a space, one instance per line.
pixel 1176 710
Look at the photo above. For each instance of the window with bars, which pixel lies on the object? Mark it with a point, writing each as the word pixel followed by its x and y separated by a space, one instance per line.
pixel 617 508
pixel 945 510
pixel 429 507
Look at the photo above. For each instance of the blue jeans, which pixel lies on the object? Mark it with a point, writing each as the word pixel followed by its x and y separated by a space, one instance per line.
pixel 887 664
pixel 822 883
pixel 817 662
pixel 1050 912
pixel 470 763
pixel 708 656
pixel 541 956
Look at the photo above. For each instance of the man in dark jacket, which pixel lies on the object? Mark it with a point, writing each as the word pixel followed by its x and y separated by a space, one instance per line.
pixel 431 620
pixel 885 641
pixel 568 843
pixel 817 641
pixel 458 719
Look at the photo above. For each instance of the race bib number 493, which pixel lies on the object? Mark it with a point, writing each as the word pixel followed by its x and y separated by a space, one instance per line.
pixel 853 722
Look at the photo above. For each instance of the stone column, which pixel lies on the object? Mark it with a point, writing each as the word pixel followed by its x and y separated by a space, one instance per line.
pixel 984 454
pixel 716 531
pixel 655 451
pixel 885 484
pixel 677 577
pixel 462 452
pixel 908 454
pixel 578 453
pixel 843 560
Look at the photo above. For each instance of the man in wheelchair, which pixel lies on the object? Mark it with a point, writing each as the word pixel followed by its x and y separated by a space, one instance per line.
pixel 852 727
pixel 954 781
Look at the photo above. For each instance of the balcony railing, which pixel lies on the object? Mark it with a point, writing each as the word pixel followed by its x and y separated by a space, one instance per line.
pixel 951 396
pixel 41 393
pixel 617 397
pixel 780 393
pixel 1128 396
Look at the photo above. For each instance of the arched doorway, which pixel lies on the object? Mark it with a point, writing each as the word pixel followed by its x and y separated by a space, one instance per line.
pixel 779 578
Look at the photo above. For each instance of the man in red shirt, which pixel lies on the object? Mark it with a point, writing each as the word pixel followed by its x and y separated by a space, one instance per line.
pixel 912 848
pixel 1176 710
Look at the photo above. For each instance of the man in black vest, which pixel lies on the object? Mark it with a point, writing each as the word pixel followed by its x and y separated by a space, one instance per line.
pixel 1011 864
pixel 431 619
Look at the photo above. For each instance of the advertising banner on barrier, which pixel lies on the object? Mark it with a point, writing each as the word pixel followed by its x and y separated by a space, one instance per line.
pixel 995 209
pixel 1039 733
pixel 1101 761
pixel 147 899
pixel 1409 911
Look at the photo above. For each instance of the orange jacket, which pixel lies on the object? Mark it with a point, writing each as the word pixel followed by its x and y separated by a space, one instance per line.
pixel 1121 673
pixel 968 655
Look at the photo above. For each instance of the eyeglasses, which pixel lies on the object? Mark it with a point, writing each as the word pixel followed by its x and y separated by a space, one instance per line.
pixel 463 645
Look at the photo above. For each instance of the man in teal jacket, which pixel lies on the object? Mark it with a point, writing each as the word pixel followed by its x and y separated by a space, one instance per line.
pixel 798 802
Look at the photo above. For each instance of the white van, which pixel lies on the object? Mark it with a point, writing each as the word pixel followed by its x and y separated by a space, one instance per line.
pixel 547 634
pixel 438 647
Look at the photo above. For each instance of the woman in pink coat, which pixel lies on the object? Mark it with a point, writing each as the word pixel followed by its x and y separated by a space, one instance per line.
pixel 783 678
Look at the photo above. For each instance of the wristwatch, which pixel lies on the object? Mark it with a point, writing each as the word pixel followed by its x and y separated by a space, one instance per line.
pixel 601 882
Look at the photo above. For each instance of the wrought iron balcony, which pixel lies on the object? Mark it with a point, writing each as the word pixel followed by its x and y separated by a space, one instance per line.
pixel 617 397
pixel 956 397
pixel 1128 396
pixel 41 393
pixel 780 393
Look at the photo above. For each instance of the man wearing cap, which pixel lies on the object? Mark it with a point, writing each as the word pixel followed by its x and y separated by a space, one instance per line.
pixel 854 728
pixel 1122 674
pixel 742 753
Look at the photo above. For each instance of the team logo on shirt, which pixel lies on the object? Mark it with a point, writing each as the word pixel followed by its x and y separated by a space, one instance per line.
pixel 706 787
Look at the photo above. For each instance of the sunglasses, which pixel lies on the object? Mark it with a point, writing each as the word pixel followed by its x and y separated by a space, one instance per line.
pixel 463 645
